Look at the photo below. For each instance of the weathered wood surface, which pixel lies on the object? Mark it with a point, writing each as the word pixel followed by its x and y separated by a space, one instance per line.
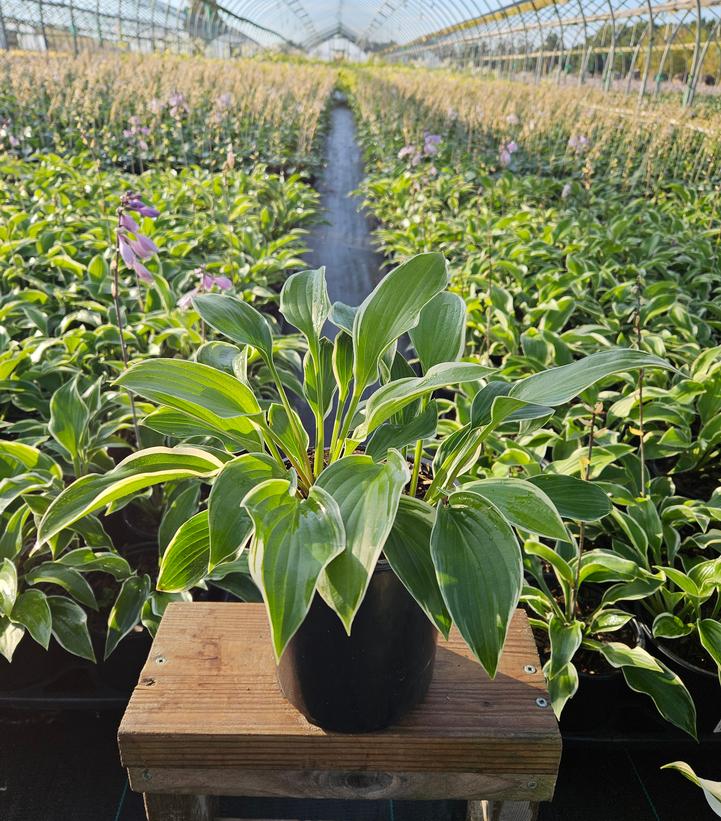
pixel 502 811
pixel 208 712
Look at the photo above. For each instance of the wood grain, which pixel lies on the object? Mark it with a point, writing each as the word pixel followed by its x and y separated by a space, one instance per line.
pixel 208 700
pixel 340 785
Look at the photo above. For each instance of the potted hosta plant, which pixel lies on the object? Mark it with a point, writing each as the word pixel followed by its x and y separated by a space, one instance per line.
pixel 361 554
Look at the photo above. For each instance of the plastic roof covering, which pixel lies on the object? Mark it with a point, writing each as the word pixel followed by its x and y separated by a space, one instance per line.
pixel 401 29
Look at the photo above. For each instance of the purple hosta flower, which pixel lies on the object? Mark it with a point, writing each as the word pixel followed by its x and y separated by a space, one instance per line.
pixel 137 132
pixel 406 151
pixel 506 152
pixel 6 134
pixel 207 283
pixel 222 104
pixel 430 144
pixel 155 106
pixel 134 203
pixel 566 191
pixel 513 119
pixel 578 143
pixel 178 105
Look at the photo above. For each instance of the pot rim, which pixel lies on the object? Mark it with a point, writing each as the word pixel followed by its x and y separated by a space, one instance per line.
pixel 680 660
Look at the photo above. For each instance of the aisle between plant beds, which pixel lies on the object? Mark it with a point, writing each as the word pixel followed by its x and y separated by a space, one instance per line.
pixel 319 521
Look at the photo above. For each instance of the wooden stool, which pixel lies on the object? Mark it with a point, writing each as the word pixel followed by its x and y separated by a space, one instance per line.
pixel 207 719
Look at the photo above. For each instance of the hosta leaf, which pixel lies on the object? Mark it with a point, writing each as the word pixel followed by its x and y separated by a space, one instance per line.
pixel 711 789
pixel 645 674
pixel 440 334
pixel 8 586
pixel 70 627
pixel 32 611
pixel 557 386
pixel 523 505
pixel 293 437
pixel 139 471
pixel 66 577
pixel 479 570
pixel 183 505
pixel 565 640
pixel 230 524
pixel 237 320
pixel 218 400
pixel 561 687
pixel 408 550
pixel 392 309
pixel 293 542
pixel 390 435
pixel 709 632
pixel 185 561
pixel 69 418
pixel 11 635
pixel 573 498
pixel 669 626
pixel 367 495
pixel 305 304
pixel 126 611
pixel 394 396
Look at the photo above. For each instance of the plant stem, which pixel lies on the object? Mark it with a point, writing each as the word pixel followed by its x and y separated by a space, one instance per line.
pixel 417 455
pixel 573 603
pixel 342 400
pixel 347 419
pixel 115 292
pixel 288 409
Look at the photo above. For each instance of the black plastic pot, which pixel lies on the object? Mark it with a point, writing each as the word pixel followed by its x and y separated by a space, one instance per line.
pixel 600 698
pixel 368 680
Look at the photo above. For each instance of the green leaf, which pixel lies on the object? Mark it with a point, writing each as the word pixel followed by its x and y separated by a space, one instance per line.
pixel 645 674
pixel 565 640
pixel 182 427
pixel 668 626
pixel 66 577
pixel 561 687
pixel 230 524
pixel 319 390
pixel 11 635
pixel 126 611
pixel 305 304
pixel 632 591
pixel 85 560
pixel 8 587
pixel 557 386
pixel 293 437
pixel 711 789
pixel 392 309
pixel 69 417
pixel 408 550
pixel 522 504
pixel 440 335
pixel 709 632
pixel 70 627
pixel 367 495
pixel 388 435
pixel 343 316
pixel 217 399
pixel 237 320
pixel 606 566
pixel 393 396
pixel 563 569
pixel 479 570
pixel 293 542
pixel 32 611
pixel 185 561
pixel 181 508
pixel 139 471
pixel 343 362
pixel 573 498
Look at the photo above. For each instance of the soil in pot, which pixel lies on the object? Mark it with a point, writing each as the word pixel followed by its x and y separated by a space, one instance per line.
pixel 368 680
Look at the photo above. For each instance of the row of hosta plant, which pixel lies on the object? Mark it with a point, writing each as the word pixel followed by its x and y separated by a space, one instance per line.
pixel 99 268
pixel 135 111
pixel 457 533
pixel 542 128
pixel 556 262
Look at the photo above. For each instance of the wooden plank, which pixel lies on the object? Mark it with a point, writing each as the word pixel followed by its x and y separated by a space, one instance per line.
pixel 208 697
pixel 502 811
pixel 342 785
pixel 179 807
